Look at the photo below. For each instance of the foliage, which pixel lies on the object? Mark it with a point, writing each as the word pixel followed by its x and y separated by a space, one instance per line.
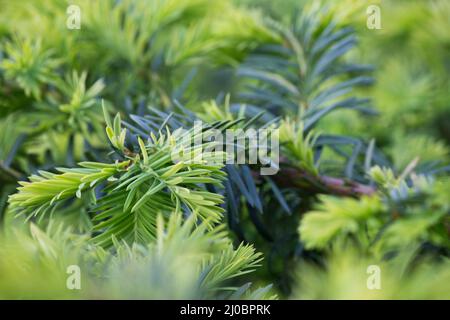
pixel 411 92
pixel 185 262
pixel 148 214
pixel 346 274
pixel 400 215
pixel 138 188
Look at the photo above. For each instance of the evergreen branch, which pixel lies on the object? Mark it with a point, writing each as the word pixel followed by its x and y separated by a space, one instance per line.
pixel 47 189
pixel 302 180
pixel 137 189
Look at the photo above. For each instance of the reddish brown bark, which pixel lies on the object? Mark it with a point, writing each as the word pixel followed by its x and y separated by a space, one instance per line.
pixel 291 177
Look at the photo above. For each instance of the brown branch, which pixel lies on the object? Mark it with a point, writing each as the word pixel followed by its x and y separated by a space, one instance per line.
pixel 292 177
pixel 12 174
